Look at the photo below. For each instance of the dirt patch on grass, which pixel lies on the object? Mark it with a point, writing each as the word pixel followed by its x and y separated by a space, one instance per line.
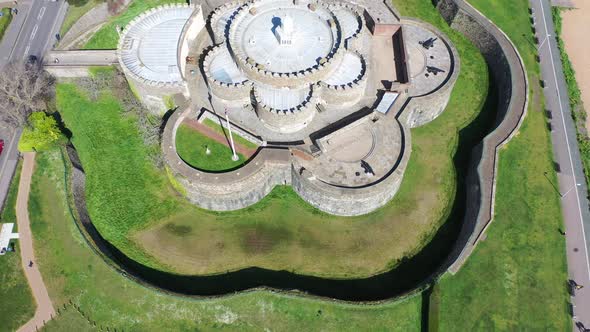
pixel 262 239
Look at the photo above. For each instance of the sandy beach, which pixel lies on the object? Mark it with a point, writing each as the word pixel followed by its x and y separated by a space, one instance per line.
pixel 576 35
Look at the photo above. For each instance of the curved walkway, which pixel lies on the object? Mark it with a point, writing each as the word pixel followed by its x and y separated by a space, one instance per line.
pixel 44 311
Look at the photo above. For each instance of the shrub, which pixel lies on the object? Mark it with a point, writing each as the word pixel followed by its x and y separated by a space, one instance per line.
pixel 41 133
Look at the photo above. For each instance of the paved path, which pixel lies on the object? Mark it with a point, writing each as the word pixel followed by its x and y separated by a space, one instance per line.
pixel 572 184
pixel 44 310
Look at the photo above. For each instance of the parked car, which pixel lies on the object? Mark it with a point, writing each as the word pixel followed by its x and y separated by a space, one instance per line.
pixel 1 146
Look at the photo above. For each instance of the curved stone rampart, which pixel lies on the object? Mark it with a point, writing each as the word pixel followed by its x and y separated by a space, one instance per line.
pixel 218 20
pixel 121 47
pixel 346 93
pixel 345 201
pixel 287 120
pixel 231 190
pixel 258 71
pixel 426 107
pixel 224 90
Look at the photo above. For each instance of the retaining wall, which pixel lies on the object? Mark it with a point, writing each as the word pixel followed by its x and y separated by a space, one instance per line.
pixel 509 75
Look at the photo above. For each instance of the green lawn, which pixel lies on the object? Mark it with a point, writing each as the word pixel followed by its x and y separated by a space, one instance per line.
pixel 192 146
pixel 107 37
pixel 515 280
pixel 222 130
pixel 73 272
pixel 16 299
pixel 9 212
pixel 75 11
pixel 17 305
pixel 5 21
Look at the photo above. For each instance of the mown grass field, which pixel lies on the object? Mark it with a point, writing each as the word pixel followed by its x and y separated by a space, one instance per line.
pixel 515 280
pixel 107 38
pixel 192 146
pixel 133 205
pixel 5 21
pixel 72 271
pixel 17 305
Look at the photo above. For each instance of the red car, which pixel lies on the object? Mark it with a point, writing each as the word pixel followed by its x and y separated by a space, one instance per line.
pixel 1 146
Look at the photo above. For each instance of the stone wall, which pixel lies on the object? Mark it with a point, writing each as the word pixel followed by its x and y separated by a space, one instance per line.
pixel 509 75
pixel 291 120
pixel 190 32
pixel 423 109
pixel 342 201
pixel 231 190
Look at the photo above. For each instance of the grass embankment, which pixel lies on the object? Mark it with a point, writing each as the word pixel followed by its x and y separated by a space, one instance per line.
pixel 515 279
pixel 574 94
pixel 16 305
pixel 75 11
pixel 192 146
pixel 132 205
pixel 5 21
pixel 107 37
pixel 73 272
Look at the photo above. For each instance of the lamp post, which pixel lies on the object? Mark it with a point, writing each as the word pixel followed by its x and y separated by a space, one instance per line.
pixel 234 156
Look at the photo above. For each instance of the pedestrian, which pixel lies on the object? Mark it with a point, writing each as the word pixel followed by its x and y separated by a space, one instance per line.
pixel 562 232
pixel 30 263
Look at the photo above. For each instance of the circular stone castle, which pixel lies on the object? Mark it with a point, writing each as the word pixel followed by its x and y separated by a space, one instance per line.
pixel 328 90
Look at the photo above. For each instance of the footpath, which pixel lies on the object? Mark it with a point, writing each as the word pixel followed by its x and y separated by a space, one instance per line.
pixel 44 311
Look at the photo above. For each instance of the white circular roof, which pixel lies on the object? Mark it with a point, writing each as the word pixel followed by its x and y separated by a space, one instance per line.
pixel 284 37
pixel 149 44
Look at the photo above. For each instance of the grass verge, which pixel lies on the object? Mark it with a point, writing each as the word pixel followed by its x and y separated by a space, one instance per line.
pixel 107 37
pixel 515 279
pixel 75 11
pixel 16 300
pixel 192 147
pixel 9 210
pixel 74 274
pixel 575 96
pixel 5 21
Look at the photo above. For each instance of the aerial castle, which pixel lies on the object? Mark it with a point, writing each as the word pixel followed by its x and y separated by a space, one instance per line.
pixel 329 89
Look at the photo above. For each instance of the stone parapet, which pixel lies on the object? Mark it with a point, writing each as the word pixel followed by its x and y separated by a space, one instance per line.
pixel 346 93
pixel 426 107
pixel 218 19
pixel 231 190
pixel 287 120
pixel 349 201
pixel 121 46
pixel 258 72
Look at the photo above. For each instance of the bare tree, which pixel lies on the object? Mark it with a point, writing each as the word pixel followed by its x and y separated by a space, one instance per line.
pixel 24 89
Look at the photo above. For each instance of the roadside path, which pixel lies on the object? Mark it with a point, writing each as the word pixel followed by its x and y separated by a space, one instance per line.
pixel 44 311
pixel 572 182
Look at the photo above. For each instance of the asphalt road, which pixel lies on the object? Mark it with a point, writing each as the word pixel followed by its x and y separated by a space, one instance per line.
pixel 572 184
pixel 32 32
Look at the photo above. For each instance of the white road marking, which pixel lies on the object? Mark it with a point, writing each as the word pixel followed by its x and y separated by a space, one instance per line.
pixel 27 50
pixel 35 28
pixel 41 13
pixel 567 143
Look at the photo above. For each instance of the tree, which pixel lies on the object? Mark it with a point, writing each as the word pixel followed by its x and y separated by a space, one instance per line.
pixel 24 89
pixel 41 133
